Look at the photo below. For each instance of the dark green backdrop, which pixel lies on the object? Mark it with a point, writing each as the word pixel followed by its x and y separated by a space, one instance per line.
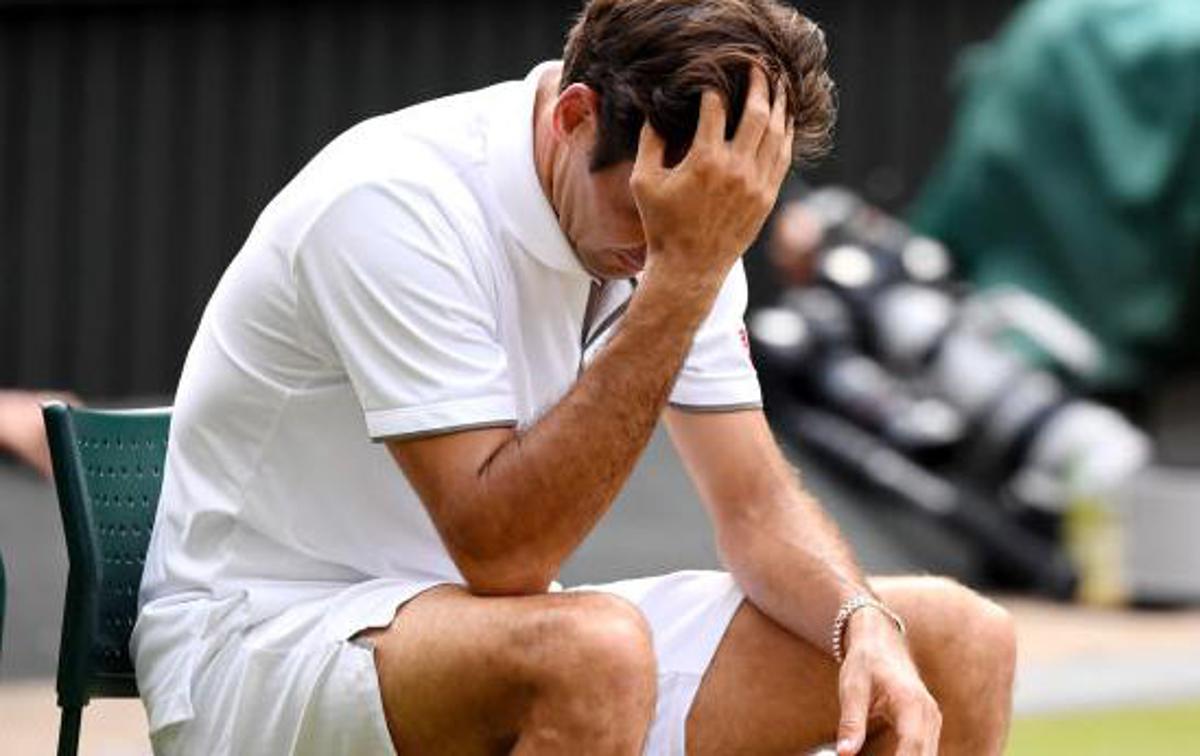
pixel 138 140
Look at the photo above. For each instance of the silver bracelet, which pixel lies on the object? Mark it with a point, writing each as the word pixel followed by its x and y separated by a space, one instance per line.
pixel 847 610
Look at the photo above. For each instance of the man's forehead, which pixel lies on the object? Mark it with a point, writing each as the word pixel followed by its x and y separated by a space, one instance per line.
pixel 614 182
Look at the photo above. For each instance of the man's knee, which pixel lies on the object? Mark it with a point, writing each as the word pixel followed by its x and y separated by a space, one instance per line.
pixel 598 641
pixel 966 648
pixel 971 652
pixel 997 633
pixel 561 668
pixel 594 673
pixel 986 630
pixel 963 642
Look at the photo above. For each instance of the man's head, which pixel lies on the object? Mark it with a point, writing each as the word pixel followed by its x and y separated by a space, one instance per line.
pixel 653 58
pixel 628 61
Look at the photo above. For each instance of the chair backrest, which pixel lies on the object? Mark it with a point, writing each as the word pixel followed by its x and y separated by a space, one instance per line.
pixel 108 467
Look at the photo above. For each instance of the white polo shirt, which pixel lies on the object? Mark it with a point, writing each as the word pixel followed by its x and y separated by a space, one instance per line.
pixel 410 280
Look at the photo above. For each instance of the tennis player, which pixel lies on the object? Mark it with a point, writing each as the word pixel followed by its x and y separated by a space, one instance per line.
pixel 428 373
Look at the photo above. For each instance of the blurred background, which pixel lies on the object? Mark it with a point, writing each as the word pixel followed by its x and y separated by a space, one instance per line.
pixel 973 321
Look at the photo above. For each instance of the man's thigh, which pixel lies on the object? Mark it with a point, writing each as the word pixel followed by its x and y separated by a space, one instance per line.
pixel 454 667
pixel 460 674
pixel 769 692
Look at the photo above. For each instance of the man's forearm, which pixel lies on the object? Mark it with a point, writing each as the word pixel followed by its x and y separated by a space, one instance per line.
pixel 791 561
pixel 541 492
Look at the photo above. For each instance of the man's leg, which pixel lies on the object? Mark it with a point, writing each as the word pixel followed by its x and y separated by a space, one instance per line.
pixel 768 692
pixel 559 673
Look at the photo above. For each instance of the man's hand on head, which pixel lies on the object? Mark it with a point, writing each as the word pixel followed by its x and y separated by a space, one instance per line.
pixel 700 215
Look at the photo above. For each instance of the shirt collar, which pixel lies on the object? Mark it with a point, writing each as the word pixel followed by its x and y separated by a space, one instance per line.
pixel 528 215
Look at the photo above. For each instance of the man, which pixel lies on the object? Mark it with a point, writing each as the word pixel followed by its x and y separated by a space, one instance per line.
pixel 444 281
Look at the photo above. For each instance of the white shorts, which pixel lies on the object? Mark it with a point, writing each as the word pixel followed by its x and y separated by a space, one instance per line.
pixel 293 693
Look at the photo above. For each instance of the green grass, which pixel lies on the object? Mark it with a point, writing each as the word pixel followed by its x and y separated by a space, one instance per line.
pixel 1173 730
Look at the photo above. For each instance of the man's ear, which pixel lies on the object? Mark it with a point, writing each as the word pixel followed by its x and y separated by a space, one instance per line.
pixel 577 107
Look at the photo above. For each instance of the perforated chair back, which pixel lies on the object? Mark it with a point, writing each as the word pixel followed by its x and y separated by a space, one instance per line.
pixel 108 468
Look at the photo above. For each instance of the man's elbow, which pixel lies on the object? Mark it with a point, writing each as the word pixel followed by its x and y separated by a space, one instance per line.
pixel 531 584
pixel 507 576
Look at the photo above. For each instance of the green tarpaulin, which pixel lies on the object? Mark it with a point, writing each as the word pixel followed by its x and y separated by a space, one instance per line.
pixel 1074 171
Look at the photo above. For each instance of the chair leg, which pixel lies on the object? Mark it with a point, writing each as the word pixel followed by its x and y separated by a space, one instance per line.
pixel 68 730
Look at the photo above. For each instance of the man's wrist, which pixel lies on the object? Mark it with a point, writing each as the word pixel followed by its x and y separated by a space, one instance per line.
pixel 681 286
pixel 676 264
pixel 861 619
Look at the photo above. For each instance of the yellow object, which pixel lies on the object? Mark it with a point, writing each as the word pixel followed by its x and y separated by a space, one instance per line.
pixel 1095 542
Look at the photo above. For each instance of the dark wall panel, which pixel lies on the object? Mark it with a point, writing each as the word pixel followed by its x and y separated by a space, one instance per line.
pixel 138 141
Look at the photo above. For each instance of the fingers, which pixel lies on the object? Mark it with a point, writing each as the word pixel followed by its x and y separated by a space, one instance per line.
pixel 908 736
pixel 783 157
pixel 650 152
pixel 912 713
pixel 854 693
pixel 710 129
pixel 775 158
pixel 756 115
pixel 768 150
pixel 918 725
pixel 934 727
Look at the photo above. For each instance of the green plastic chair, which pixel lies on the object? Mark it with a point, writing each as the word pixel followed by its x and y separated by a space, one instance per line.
pixel 108 468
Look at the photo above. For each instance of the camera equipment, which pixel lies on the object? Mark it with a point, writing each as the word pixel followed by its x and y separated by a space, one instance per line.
pixel 883 340
pixel 1000 361
pixel 809 343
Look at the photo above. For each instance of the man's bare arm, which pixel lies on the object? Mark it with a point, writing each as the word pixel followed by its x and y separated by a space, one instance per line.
pixel 793 564
pixel 511 506
pixel 785 552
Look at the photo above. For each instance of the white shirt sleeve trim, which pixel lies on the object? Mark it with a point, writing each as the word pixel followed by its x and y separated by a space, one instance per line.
pixel 696 391
pixel 703 409
pixel 479 411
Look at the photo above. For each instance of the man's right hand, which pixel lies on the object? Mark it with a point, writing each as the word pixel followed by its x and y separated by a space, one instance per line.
pixel 700 215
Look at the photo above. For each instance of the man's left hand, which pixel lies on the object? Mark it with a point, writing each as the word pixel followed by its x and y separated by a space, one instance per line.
pixel 879 683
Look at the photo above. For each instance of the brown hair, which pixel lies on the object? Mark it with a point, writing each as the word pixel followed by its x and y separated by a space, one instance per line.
pixel 653 58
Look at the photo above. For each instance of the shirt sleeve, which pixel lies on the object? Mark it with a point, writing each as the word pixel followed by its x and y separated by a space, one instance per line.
pixel 718 374
pixel 391 295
